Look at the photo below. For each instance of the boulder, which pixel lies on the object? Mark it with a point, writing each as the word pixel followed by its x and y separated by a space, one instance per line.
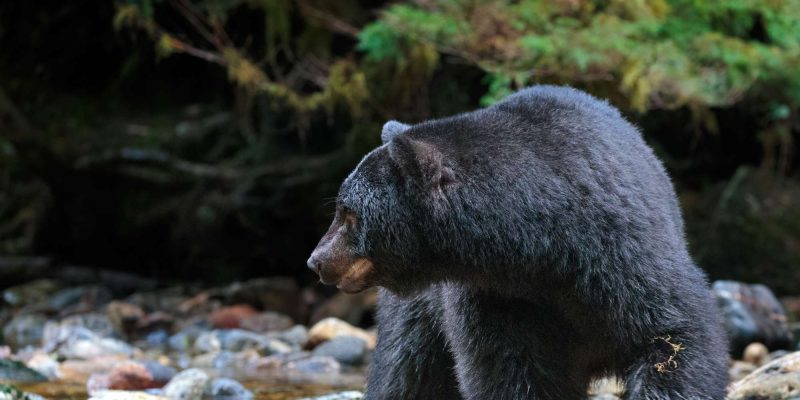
pixel 752 314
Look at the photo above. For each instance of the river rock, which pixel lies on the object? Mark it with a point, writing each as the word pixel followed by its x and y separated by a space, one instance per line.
pixel 349 395
pixel 98 323
pixel 752 314
pixel 123 395
pixel 231 317
pixel 271 364
pixel 225 360
pixel 228 389
pixel 186 338
pixel 160 373
pixel 756 354
pixel 740 369
pixel 79 371
pixel 208 342
pixel 15 371
pixel 30 293
pixel 237 340
pixel 79 299
pixel 44 364
pixel 347 350
pixel 330 328
pixel 777 380
pixel 313 365
pixel 24 330
pixel 128 375
pixel 81 343
pixel 296 336
pixel 189 384
pixel 267 322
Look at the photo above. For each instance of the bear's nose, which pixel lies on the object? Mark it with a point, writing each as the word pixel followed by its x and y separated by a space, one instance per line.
pixel 313 264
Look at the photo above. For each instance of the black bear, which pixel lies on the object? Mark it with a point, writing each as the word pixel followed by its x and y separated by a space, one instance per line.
pixel 523 250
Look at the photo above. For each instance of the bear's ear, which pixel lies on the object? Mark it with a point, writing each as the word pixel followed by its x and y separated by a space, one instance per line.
pixel 422 161
pixel 392 129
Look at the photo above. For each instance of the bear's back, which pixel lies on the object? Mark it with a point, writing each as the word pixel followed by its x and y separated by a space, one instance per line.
pixel 565 156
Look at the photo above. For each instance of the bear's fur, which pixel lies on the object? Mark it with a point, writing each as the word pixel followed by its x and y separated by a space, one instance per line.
pixel 523 250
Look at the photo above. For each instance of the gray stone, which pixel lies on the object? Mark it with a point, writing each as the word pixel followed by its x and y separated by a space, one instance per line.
pixel 228 389
pixel 752 314
pixel 24 330
pixel 185 339
pixel 123 395
pixel 43 363
pixel 208 342
pixel 160 372
pixel 350 395
pixel 314 365
pixel 296 336
pixel 187 385
pixel 237 340
pixel 348 350
pixel 79 342
pixel 15 371
pixel 98 323
pixel 268 321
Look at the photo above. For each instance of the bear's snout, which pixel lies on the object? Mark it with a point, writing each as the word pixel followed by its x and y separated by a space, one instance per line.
pixel 335 264
pixel 313 264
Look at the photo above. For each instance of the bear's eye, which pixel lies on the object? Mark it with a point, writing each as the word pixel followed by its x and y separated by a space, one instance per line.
pixel 348 218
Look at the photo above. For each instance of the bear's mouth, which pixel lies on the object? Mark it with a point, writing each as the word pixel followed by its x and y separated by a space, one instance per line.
pixel 355 278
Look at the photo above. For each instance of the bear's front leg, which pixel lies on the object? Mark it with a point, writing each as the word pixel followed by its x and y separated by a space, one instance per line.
pixel 508 349
pixel 412 360
pixel 687 363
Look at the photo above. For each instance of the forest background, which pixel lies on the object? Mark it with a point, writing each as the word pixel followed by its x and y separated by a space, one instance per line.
pixel 203 140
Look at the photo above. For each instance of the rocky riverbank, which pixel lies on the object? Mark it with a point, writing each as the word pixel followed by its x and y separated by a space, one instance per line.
pixel 261 339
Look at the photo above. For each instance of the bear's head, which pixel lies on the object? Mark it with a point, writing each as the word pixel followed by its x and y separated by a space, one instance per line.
pixel 380 235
